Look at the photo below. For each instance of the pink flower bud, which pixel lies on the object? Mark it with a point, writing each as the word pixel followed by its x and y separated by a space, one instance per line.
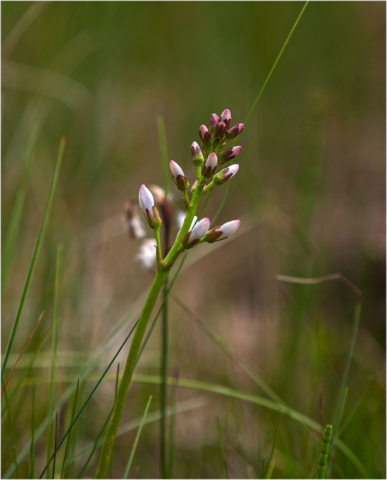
pixel 220 130
pixel 214 119
pixel 235 131
pixel 222 232
pixel 178 176
pixel 202 131
pixel 147 205
pixel 197 233
pixel 175 169
pixel 229 154
pixel 226 117
pixel 145 199
pixel 197 154
pixel 209 166
pixel 225 174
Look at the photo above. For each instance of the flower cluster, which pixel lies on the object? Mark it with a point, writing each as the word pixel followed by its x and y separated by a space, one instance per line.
pixel 206 158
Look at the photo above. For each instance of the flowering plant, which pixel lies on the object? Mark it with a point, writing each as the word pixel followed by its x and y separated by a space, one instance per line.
pixel 193 231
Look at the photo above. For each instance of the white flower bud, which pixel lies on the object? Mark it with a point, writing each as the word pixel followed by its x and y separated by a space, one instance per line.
pixel 222 232
pixel 197 232
pixel 145 199
pixel 146 254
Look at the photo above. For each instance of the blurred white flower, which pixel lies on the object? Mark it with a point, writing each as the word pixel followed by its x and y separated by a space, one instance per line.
pixel 146 254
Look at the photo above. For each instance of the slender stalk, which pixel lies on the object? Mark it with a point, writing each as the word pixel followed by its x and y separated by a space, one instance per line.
pixel 32 452
pixel 164 361
pixel 322 464
pixel 128 372
pixel 68 438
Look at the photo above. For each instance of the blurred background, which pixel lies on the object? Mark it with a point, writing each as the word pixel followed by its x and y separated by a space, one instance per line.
pixel 310 192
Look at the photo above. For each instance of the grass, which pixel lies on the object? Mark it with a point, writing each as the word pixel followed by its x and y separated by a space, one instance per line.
pixel 274 344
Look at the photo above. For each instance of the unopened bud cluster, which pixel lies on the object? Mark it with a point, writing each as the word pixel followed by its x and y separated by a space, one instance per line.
pixel 206 158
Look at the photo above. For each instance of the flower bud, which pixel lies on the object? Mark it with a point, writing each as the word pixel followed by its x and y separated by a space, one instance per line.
pixel 194 185
pixel 225 174
pixel 220 130
pixel 229 154
pixel 196 234
pixel 235 131
pixel 197 154
pixel 205 135
pixel 209 166
pixel 226 117
pixel 178 176
pixel 214 119
pixel 222 232
pixel 158 194
pixel 147 205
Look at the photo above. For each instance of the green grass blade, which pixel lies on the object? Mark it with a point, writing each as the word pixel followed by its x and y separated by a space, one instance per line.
pixel 115 399
pixel 11 430
pixel 270 469
pixel 324 452
pixel 133 451
pixel 275 63
pixel 95 445
pixel 263 467
pixel 54 349
pixel 35 255
pixel 274 441
pixel 32 452
pixel 55 444
pixel 17 211
pixel 172 429
pixel 87 400
pixel 221 446
pixel 163 153
pixel 164 330
pixel 68 438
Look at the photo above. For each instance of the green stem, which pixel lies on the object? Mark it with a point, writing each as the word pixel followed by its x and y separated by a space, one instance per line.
pixel 322 464
pixel 128 372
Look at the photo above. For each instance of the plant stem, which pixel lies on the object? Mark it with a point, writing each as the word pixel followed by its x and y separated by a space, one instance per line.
pixel 128 372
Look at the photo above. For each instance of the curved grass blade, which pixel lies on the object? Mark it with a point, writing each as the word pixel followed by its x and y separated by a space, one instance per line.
pixel 273 445
pixel 322 464
pixel 133 451
pixel 55 444
pixel 115 399
pixel 35 255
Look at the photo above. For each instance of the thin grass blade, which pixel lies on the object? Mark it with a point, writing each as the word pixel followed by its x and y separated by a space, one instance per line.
pixel 68 438
pixel 35 255
pixel 133 451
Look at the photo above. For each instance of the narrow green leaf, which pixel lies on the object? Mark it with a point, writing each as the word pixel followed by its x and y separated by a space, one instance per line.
pixel 54 348
pixel 163 153
pixel 133 451
pixel 68 438
pixel 12 431
pixel 274 439
pixel 17 210
pixel 220 440
pixel 55 444
pixel 32 454
pixel 35 255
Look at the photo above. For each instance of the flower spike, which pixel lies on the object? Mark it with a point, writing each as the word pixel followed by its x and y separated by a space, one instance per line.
pixel 147 205
pixel 222 232
pixel 196 234
pixel 178 176
pixel 210 165
pixel 225 174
